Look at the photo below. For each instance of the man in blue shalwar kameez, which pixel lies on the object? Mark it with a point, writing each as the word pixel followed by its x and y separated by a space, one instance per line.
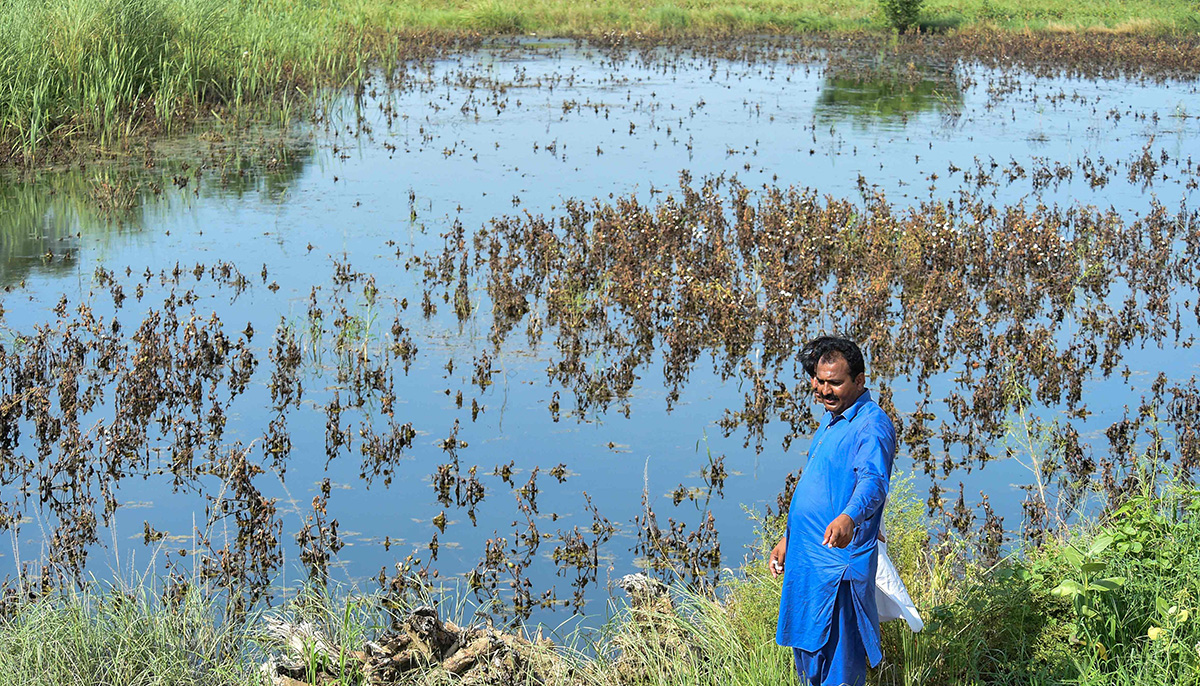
pixel 828 555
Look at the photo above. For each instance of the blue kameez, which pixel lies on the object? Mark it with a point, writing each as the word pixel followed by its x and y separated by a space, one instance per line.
pixel 849 466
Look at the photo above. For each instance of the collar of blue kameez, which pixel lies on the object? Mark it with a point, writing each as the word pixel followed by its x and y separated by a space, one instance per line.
pixel 851 411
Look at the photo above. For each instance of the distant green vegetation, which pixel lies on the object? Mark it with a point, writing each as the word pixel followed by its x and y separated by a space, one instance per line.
pixel 1112 604
pixel 80 72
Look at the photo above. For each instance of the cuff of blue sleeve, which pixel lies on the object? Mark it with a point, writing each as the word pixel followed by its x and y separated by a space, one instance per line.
pixel 854 515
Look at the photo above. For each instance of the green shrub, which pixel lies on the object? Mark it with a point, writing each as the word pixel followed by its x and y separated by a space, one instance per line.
pixel 1001 627
pixel 1152 633
pixel 901 14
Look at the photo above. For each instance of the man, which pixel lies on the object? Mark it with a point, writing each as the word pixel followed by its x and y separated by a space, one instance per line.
pixel 828 555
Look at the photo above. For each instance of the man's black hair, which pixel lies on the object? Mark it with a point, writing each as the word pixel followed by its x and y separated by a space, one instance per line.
pixel 832 347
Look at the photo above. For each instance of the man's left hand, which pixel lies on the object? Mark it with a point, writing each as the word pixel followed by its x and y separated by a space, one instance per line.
pixel 839 533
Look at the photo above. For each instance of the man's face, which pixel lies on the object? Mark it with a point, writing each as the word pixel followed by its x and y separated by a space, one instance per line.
pixel 833 387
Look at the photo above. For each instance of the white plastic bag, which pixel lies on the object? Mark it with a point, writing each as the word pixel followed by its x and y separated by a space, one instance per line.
pixel 891 597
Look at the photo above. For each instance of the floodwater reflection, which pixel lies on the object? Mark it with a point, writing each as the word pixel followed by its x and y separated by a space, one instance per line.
pixel 43 218
pixel 868 101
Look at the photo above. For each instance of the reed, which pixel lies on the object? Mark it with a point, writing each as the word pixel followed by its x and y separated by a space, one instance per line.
pixel 97 71
pixel 120 636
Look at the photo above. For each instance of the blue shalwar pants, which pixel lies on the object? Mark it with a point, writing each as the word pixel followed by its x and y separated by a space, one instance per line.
pixel 842 661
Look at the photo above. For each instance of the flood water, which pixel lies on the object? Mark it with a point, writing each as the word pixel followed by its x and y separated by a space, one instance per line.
pixel 332 235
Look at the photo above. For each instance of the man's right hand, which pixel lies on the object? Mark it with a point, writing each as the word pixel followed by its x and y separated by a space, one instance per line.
pixel 777 554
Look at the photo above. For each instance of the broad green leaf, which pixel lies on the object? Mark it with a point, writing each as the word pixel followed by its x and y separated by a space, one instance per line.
pixel 1069 588
pixel 1072 556
pixel 1093 567
pixel 1112 583
pixel 1100 544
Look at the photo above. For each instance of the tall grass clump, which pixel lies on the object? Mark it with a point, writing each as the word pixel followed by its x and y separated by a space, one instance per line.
pixel 98 70
pixel 669 18
pixel 117 637
pixel 87 66
pixel 495 17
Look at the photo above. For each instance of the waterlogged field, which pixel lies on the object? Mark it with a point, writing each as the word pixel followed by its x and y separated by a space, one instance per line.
pixel 524 320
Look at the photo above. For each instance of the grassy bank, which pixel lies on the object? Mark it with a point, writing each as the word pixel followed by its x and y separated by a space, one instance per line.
pixel 85 73
pixel 1113 605
pixel 1110 604
pixel 555 17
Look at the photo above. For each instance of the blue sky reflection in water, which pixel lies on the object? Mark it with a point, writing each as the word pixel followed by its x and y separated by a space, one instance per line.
pixel 361 195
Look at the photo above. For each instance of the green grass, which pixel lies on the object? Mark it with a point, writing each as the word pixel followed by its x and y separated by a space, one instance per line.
pixel 80 73
pixel 119 638
pixel 95 71
pixel 766 16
